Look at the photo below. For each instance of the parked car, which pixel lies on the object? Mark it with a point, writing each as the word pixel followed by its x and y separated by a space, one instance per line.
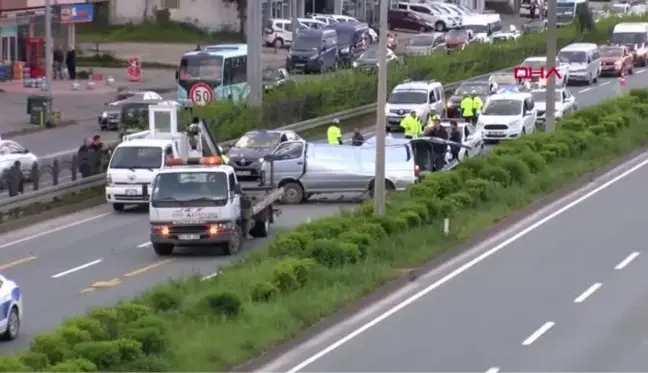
pixel 424 44
pixel 409 21
pixel 111 115
pixel 246 155
pixel 616 60
pixel 369 59
pixel 274 77
pixel 458 39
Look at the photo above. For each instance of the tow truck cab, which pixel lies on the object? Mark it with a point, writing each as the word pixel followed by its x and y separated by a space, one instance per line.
pixel 200 202
pixel 140 156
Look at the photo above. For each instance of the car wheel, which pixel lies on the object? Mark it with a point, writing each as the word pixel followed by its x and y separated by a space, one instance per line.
pixel 293 194
pixel 278 43
pixel 13 325
pixel 118 206
pixel 235 242
pixel 596 77
pixel 630 71
pixel 163 249
pixel 440 26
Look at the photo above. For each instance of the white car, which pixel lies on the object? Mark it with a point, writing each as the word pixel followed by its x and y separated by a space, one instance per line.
pixel 506 82
pixel 470 136
pixel 11 309
pixel 503 36
pixel 565 103
pixel 10 152
pixel 508 116
pixel 538 62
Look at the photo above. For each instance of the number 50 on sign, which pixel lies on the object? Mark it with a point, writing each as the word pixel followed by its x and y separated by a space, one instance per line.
pixel 201 94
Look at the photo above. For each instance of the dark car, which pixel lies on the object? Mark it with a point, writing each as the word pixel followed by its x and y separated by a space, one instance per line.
pixel 111 115
pixel 482 88
pixel 534 27
pixel 352 40
pixel 314 51
pixel 369 59
pixel 399 19
pixel 274 77
pixel 247 153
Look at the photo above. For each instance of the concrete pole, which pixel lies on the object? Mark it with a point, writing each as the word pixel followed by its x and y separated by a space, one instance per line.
pixel 550 124
pixel 337 7
pixel 254 34
pixel 49 52
pixel 379 185
pixel 294 14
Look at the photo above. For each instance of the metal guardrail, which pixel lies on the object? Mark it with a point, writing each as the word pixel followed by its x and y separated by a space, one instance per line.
pixel 52 192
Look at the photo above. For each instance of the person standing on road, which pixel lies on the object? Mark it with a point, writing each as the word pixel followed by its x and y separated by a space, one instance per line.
pixel 357 139
pixel 334 134
pixel 455 136
pixel 466 107
pixel 58 59
pixel 439 149
pixel 478 104
pixel 411 125
pixel 84 158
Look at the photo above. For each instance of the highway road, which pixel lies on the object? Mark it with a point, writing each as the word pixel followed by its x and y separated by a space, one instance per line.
pixel 97 257
pixel 560 291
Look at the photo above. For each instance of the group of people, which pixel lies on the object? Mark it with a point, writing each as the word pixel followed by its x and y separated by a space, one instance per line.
pixel 334 135
pixel 61 59
pixel 471 106
pixel 91 151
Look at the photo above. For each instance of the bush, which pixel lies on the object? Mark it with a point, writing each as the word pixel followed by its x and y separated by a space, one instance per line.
pixel 74 365
pixel 263 291
pixel 333 253
pixel 292 273
pixel 13 364
pixel 223 304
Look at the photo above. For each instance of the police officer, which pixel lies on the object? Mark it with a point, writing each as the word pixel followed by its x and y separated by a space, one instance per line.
pixel 411 125
pixel 431 126
pixel 438 149
pixel 466 107
pixel 432 118
pixel 478 104
pixel 455 136
pixel 333 134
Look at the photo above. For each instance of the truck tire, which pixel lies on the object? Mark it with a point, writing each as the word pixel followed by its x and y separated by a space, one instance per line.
pixel 261 228
pixel 235 243
pixel 163 249
pixel 294 194
pixel 118 206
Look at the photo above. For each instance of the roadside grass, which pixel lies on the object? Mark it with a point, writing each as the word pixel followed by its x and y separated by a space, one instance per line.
pixel 207 343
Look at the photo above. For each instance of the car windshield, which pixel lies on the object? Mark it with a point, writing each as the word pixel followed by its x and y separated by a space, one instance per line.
pixel 370 54
pixel 535 64
pixel 258 140
pixel 307 43
pixel 573 57
pixel 130 157
pixel 628 38
pixel 204 188
pixel 611 52
pixel 505 79
pixel 201 66
pixel 271 75
pixel 345 36
pixel 457 34
pixel 477 29
pixel 479 89
pixel 422 41
pixel 503 107
pixel 408 97
pixel 541 96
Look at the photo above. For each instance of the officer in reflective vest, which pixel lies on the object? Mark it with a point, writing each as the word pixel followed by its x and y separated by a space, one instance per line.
pixel 433 117
pixel 478 104
pixel 411 125
pixel 467 108
pixel 333 133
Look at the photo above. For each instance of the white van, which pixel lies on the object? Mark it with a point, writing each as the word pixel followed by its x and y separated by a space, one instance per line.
pixel 279 32
pixel 481 26
pixel 634 36
pixel 584 61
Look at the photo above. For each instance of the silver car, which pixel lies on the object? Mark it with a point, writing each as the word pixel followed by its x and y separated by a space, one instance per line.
pixel 425 44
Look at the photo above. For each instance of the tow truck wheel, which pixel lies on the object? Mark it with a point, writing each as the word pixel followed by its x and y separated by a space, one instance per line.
pixel 13 325
pixel 294 193
pixel 118 206
pixel 235 242
pixel 260 229
pixel 163 249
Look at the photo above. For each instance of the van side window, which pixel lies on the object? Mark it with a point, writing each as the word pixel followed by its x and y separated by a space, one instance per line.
pixel 432 97
pixel 596 55
pixel 291 150
pixel 232 182
pixel 168 152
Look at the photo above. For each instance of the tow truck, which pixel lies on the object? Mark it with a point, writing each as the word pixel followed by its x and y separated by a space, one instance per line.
pixel 139 157
pixel 200 202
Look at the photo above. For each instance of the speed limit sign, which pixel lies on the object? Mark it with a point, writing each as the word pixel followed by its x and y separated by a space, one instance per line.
pixel 201 94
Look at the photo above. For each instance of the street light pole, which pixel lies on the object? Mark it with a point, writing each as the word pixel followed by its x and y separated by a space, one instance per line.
pixel 254 63
pixel 379 183
pixel 550 114
pixel 49 54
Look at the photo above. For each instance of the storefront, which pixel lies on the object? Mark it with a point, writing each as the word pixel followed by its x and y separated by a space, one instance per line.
pixel 8 44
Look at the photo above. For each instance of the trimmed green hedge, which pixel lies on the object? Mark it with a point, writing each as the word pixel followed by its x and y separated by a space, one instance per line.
pixel 350 89
pixel 304 275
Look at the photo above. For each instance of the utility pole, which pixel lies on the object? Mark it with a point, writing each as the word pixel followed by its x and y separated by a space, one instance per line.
pixel 294 13
pixel 550 115
pixel 254 34
pixel 379 183
pixel 49 57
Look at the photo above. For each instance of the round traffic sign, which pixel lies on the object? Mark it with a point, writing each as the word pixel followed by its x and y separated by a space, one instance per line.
pixel 201 94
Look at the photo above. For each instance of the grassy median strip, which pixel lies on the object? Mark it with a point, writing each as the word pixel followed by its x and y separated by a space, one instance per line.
pixel 309 273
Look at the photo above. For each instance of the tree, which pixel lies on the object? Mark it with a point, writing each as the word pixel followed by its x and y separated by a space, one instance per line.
pixel 241 6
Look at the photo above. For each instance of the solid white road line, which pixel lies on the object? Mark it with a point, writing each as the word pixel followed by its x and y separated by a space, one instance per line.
pixel 493 370
pixel 624 263
pixel 585 90
pixel 82 266
pixel 53 230
pixel 604 83
pixel 145 244
pixel 205 278
pixel 463 268
pixel 581 298
pixel 538 333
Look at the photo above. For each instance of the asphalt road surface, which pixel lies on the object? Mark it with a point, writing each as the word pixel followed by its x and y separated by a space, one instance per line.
pixel 561 291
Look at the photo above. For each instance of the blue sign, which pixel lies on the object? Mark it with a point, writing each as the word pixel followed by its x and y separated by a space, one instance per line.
pixel 77 13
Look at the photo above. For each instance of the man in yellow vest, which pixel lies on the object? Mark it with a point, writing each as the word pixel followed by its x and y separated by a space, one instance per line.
pixel 466 107
pixel 411 125
pixel 433 117
pixel 333 133
pixel 478 104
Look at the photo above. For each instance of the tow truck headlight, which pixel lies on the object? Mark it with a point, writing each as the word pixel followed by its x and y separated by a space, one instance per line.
pixel 161 229
pixel 449 104
pixel 218 228
pixel 109 181
pixel 104 115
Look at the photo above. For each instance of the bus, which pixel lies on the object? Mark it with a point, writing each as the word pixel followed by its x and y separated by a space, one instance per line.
pixel 222 66
pixel 567 10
